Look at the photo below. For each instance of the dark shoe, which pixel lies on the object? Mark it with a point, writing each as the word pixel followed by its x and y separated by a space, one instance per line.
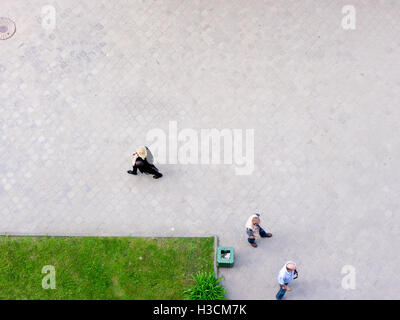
pixel 131 172
pixel 157 177
pixel 267 235
pixel 253 244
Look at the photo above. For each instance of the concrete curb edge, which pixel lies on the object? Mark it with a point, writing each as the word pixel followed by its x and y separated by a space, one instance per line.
pixel 215 255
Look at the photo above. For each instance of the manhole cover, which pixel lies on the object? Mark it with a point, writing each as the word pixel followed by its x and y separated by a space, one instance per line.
pixel 7 28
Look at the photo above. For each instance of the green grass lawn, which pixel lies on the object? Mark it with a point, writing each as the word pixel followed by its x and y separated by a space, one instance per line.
pixel 102 268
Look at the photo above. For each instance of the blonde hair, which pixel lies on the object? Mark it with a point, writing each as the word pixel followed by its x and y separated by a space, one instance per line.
pixel 141 151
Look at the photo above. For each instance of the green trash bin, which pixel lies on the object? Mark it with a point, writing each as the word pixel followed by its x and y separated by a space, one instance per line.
pixel 225 257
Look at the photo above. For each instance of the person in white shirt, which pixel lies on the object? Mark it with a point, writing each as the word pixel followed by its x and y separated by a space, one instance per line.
pixel 254 230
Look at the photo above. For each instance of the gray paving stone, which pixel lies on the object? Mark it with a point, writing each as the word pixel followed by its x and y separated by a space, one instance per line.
pixel 323 102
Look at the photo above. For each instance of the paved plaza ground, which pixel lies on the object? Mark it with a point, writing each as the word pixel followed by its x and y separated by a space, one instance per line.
pixel 78 94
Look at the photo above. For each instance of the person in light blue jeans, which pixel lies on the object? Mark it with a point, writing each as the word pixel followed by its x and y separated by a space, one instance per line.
pixel 286 274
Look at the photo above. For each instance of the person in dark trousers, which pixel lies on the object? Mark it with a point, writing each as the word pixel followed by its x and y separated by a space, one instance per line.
pixel 286 274
pixel 254 230
pixel 140 161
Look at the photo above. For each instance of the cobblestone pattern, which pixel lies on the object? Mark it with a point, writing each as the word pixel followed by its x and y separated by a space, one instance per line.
pixel 323 101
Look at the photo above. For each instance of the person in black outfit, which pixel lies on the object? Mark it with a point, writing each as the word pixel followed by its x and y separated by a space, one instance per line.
pixel 140 162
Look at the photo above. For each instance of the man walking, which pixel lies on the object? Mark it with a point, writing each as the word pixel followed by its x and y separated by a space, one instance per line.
pixel 254 230
pixel 286 274
pixel 143 160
